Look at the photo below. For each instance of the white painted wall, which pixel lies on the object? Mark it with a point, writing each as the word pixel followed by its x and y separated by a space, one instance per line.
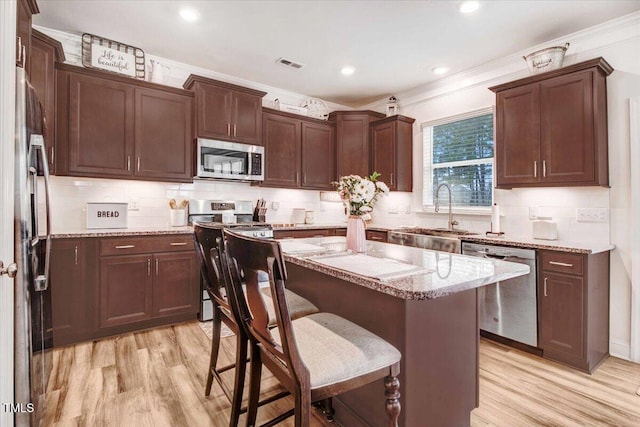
pixel 7 154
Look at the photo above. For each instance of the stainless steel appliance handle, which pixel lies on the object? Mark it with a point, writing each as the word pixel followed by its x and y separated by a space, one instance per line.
pixel 37 143
pixel 561 264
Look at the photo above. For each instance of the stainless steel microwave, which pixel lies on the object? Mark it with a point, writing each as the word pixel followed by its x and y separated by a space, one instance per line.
pixel 229 160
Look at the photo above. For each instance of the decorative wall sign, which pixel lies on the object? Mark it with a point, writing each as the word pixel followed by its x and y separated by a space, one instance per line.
pixel 112 56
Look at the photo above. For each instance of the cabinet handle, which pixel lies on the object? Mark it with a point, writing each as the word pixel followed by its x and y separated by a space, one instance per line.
pixel 178 244
pixel 561 264
pixel 128 163
pixel 391 179
pixel 75 255
pixel 304 178
pixel 19 50
pixel 297 177
pixel 535 168
pixel 545 287
pixel 234 130
pixel 53 156
pixel 148 267
pixel 156 266
pixel 125 246
pixel 229 129
pixel 138 164
pixel 544 168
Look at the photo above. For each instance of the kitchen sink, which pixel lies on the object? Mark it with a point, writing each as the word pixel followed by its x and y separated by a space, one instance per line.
pixel 440 239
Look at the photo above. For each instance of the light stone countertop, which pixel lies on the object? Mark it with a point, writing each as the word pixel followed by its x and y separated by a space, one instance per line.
pixel 551 245
pixel 122 232
pixel 444 273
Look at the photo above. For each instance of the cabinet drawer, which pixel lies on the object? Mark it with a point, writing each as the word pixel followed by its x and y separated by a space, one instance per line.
pixel 377 236
pixel 146 244
pixel 562 262
pixel 299 234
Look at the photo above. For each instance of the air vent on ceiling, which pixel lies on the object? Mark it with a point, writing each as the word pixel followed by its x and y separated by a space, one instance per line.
pixel 289 63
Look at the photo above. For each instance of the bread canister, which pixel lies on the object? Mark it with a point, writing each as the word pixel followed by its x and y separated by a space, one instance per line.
pixel 545 229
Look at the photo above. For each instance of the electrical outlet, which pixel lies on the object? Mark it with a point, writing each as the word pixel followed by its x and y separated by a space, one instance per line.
pixel 393 209
pixel 592 214
pixel 533 212
pixel 275 205
pixel 133 205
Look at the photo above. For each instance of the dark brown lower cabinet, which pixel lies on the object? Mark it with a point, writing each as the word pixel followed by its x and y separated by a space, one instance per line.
pixel 175 282
pixel 573 308
pixel 69 290
pixel 376 235
pixel 302 233
pixel 125 289
pixel 112 285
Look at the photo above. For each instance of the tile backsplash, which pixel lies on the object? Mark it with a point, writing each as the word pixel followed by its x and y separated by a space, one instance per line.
pixel 149 201
pixel 149 206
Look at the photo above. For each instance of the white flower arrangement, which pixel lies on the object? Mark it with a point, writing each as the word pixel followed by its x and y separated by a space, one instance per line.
pixel 360 194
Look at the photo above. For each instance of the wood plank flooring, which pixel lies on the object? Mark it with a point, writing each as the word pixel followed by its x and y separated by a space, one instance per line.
pixel 157 378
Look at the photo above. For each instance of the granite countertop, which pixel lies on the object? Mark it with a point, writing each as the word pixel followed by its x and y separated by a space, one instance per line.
pixel 437 274
pixel 531 243
pixel 290 226
pixel 121 232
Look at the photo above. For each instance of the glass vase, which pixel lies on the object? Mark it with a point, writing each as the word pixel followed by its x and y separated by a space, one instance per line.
pixel 356 236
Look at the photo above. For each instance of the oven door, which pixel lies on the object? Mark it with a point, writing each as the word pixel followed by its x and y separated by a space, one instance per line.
pixel 229 160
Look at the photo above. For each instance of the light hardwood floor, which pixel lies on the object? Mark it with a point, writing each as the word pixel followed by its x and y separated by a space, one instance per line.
pixel 157 378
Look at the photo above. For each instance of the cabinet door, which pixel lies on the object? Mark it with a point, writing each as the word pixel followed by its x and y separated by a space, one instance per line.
pixel 352 139
pixel 125 289
pixel 23 32
pixel 175 283
pixel 214 112
pixel 42 78
pixel 163 135
pixel 318 156
pixel 568 142
pixel 281 137
pixel 100 127
pixel 246 118
pixel 561 302
pixel 383 147
pixel 68 284
pixel 518 136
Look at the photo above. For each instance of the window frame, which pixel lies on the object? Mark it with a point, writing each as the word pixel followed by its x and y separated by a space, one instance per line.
pixel 427 181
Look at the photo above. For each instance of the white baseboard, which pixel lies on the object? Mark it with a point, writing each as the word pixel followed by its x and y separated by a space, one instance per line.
pixel 620 349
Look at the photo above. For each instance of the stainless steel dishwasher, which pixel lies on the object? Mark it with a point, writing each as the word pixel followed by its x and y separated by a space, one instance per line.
pixel 508 308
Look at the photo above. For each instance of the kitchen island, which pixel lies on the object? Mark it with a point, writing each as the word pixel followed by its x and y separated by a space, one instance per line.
pixel 421 301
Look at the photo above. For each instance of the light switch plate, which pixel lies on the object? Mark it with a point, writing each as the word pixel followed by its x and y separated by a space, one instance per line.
pixel 592 214
pixel 533 212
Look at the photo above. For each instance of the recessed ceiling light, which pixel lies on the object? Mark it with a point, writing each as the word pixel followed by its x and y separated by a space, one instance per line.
pixel 189 15
pixel 440 70
pixel 348 70
pixel 469 6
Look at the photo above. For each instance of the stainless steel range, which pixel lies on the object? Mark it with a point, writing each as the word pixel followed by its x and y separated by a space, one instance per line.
pixel 234 214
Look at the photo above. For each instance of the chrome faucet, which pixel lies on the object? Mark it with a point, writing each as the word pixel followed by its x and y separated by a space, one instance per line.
pixel 437 206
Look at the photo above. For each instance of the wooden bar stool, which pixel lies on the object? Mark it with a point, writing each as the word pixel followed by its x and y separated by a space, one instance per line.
pixel 208 239
pixel 314 357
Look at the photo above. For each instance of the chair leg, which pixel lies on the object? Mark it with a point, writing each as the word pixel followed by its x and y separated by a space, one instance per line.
pixel 303 408
pixel 328 410
pixel 254 385
pixel 215 349
pixel 391 387
pixel 238 385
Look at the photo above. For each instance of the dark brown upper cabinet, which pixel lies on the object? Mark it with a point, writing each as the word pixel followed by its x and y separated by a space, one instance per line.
pixel 551 128
pixel 225 111
pixel 300 152
pixel 25 10
pixel 392 151
pixel 45 52
pixel 352 141
pixel 109 126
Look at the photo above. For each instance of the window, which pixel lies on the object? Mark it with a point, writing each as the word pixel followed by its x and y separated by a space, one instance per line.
pixel 459 151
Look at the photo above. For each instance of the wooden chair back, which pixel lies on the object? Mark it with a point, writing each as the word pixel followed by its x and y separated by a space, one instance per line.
pixel 207 238
pixel 247 257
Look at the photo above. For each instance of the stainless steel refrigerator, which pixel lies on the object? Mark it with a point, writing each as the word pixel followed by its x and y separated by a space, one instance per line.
pixel 32 308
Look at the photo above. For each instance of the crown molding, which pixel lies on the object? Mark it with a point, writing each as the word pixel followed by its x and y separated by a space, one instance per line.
pixel 513 67
pixel 180 72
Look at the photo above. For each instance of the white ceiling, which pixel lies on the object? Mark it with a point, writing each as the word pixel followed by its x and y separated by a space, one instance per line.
pixel 393 45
